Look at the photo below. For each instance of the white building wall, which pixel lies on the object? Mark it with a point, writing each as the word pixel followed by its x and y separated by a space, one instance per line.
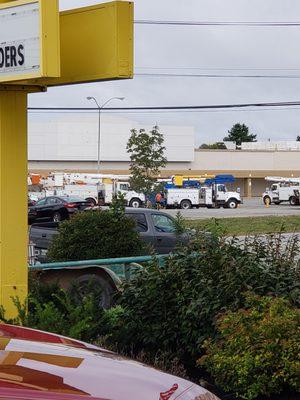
pixel 273 146
pixel 75 137
pixel 240 160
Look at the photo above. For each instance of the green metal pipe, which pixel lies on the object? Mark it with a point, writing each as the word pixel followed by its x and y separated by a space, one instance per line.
pixel 105 261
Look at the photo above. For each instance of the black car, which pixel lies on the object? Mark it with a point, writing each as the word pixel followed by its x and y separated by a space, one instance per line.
pixel 56 208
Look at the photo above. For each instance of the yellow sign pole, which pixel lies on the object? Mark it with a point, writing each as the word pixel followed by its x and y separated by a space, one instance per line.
pixel 101 50
pixel 13 198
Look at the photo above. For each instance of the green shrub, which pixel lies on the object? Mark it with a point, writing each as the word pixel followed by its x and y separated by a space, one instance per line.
pixel 257 349
pixel 54 310
pixel 173 308
pixel 94 235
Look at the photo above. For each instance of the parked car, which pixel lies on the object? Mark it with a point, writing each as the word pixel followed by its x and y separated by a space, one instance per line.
pixel 56 208
pixel 156 228
pixel 40 365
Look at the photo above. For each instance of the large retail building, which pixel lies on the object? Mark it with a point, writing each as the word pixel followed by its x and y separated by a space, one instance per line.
pixel 69 143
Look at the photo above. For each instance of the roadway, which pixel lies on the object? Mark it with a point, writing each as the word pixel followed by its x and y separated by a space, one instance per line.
pixel 250 208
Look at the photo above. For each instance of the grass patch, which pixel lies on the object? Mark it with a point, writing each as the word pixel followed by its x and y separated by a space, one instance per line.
pixel 248 225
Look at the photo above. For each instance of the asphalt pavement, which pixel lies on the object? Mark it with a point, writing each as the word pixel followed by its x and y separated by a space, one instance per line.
pixel 250 208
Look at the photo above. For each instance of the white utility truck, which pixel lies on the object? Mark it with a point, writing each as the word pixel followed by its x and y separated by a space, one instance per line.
pixel 102 193
pixel 281 190
pixel 96 189
pixel 107 191
pixel 211 196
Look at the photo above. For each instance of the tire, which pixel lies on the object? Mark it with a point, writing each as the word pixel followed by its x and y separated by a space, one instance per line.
pixel 185 205
pixel 231 203
pixel 91 201
pixel 135 203
pixel 89 283
pixel 293 201
pixel 267 200
pixel 81 282
pixel 57 217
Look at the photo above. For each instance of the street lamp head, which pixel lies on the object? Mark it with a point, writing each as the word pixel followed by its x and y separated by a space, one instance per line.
pixel 121 98
pixel 89 98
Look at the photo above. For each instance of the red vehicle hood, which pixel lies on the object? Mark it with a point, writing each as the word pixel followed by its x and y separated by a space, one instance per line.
pixel 38 365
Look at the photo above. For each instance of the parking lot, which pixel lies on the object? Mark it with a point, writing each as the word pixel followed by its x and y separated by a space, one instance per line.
pixel 250 208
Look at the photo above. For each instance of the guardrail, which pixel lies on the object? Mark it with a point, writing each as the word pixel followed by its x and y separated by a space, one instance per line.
pixel 123 267
pixel 104 261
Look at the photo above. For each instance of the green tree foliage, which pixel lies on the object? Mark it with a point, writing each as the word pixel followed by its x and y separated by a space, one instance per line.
pixel 147 158
pixel 96 234
pixel 240 133
pixel 214 146
pixel 257 349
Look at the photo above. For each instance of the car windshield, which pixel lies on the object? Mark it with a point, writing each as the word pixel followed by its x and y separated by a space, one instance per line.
pixel 71 199
pixel 163 223
pixel 41 202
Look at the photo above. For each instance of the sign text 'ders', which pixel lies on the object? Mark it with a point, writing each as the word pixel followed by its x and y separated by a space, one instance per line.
pixel 24 40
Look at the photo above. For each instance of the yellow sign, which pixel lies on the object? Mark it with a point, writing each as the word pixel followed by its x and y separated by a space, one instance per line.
pixel 96 44
pixel 29 40
pixel 38 48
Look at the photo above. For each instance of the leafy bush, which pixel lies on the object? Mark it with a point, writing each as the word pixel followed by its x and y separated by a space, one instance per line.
pixel 173 308
pixel 257 349
pixel 94 235
pixel 52 309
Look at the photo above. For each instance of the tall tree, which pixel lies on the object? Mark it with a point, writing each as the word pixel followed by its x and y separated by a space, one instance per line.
pixel 147 157
pixel 240 133
pixel 298 138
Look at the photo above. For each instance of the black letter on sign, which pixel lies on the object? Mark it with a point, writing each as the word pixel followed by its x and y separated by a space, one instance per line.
pixel 1 57
pixel 21 55
pixel 7 54
pixel 13 54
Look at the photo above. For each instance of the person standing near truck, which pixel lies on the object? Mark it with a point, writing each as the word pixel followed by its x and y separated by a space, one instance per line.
pixel 158 200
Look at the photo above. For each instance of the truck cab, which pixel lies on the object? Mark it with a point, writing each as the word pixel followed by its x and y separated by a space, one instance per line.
pixel 108 190
pixel 281 192
pixel 217 195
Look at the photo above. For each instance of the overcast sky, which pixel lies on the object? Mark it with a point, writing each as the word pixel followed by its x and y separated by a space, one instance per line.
pixel 185 47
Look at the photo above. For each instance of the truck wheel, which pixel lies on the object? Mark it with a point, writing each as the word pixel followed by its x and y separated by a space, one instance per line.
pixel 79 283
pixel 293 201
pixel 89 283
pixel 56 217
pixel 267 200
pixel 91 201
pixel 185 204
pixel 135 203
pixel 232 203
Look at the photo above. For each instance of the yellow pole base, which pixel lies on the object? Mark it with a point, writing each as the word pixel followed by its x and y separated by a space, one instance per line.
pixel 13 199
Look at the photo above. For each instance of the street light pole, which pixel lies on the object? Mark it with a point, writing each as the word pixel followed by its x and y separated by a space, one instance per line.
pixel 99 124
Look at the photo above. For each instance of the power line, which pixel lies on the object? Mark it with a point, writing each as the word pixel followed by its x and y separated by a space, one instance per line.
pixel 219 23
pixel 178 75
pixel 165 111
pixel 186 107
pixel 217 69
